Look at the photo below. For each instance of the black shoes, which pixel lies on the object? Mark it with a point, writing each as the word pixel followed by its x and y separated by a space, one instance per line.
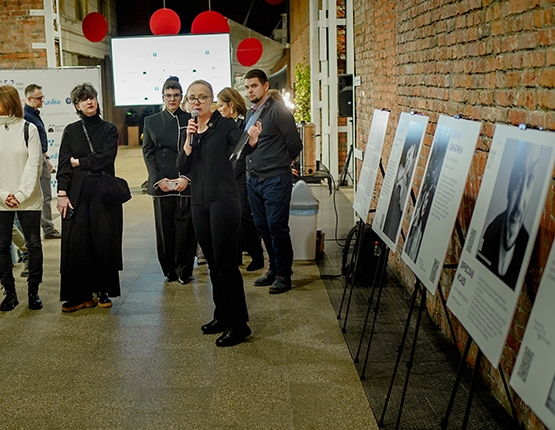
pixel 234 335
pixel 255 265
pixel 104 301
pixel 213 327
pixel 267 279
pixel 10 301
pixel 35 303
pixel 231 335
pixel 280 285
pixel 171 277
pixel 184 281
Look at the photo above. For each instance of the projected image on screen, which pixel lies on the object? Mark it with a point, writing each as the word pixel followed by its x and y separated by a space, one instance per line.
pixel 142 64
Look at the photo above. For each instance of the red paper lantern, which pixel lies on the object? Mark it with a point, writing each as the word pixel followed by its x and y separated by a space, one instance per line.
pixel 249 51
pixel 274 2
pixel 95 27
pixel 210 22
pixel 164 22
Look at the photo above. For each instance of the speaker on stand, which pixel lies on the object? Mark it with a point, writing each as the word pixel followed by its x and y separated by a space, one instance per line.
pixel 345 95
pixel 345 109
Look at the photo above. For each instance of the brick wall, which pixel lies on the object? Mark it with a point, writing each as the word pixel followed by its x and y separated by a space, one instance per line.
pixel 490 60
pixel 21 30
pixel 299 36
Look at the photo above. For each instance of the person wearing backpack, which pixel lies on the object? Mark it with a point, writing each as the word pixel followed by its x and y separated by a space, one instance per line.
pixel 20 194
pixel 34 99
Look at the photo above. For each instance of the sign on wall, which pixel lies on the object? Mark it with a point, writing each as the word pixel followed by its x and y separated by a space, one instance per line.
pixel 533 376
pixel 57 110
pixel 371 164
pixel 398 177
pixel 501 235
pixel 439 198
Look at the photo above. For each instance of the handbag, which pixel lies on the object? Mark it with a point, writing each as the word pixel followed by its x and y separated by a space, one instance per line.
pixel 113 190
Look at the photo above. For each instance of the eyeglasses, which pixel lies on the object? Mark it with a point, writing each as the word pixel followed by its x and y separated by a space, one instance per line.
pixel 38 98
pixel 200 99
pixel 172 96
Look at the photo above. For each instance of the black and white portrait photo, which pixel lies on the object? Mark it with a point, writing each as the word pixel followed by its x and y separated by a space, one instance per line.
pixel 427 192
pixel 511 213
pixel 403 180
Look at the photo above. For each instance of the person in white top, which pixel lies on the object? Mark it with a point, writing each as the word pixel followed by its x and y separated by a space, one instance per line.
pixel 20 193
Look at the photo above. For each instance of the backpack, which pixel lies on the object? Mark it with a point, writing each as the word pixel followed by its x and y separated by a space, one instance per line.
pixel 368 257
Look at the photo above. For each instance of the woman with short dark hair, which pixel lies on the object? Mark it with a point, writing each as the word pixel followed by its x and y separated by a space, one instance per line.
pixel 20 194
pixel 92 230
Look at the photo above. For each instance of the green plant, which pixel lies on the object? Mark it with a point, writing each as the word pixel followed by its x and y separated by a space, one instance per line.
pixel 302 93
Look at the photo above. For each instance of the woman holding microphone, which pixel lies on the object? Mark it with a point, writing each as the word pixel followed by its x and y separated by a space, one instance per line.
pixel 216 209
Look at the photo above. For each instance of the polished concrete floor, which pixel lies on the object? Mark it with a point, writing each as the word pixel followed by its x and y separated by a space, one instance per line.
pixel 144 363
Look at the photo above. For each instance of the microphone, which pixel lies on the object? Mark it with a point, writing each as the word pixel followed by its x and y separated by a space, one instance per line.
pixel 194 115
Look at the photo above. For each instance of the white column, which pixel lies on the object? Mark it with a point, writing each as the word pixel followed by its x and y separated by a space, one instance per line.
pixel 52 32
pixel 315 75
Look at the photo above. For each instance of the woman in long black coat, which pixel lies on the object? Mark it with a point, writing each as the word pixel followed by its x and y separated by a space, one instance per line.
pixel 91 230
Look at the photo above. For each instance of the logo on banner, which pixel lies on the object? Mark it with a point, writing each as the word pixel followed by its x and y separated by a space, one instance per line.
pixel 53 128
pixel 52 102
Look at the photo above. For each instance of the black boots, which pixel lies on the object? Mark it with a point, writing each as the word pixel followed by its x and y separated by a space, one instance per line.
pixel 35 303
pixel 10 301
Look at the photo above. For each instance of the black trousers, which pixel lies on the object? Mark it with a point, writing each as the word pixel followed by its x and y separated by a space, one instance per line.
pixel 217 226
pixel 30 224
pixel 176 242
pixel 250 238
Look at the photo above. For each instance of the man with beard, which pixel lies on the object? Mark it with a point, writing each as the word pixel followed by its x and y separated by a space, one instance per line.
pixel 505 239
pixel 269 178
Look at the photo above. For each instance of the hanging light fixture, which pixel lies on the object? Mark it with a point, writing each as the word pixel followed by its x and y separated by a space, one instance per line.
pixel 209 22
pixel 249 51
pixel 164 21
pixel 95 27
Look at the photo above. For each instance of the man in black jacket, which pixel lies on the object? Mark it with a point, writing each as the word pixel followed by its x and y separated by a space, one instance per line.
pixel 269 178
pixel 163 137
pixel 34 101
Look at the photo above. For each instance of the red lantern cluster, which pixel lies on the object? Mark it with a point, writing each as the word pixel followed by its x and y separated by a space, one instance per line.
pixel 165 22
pixel 210 22
pixel 95 27
pixel 249 51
